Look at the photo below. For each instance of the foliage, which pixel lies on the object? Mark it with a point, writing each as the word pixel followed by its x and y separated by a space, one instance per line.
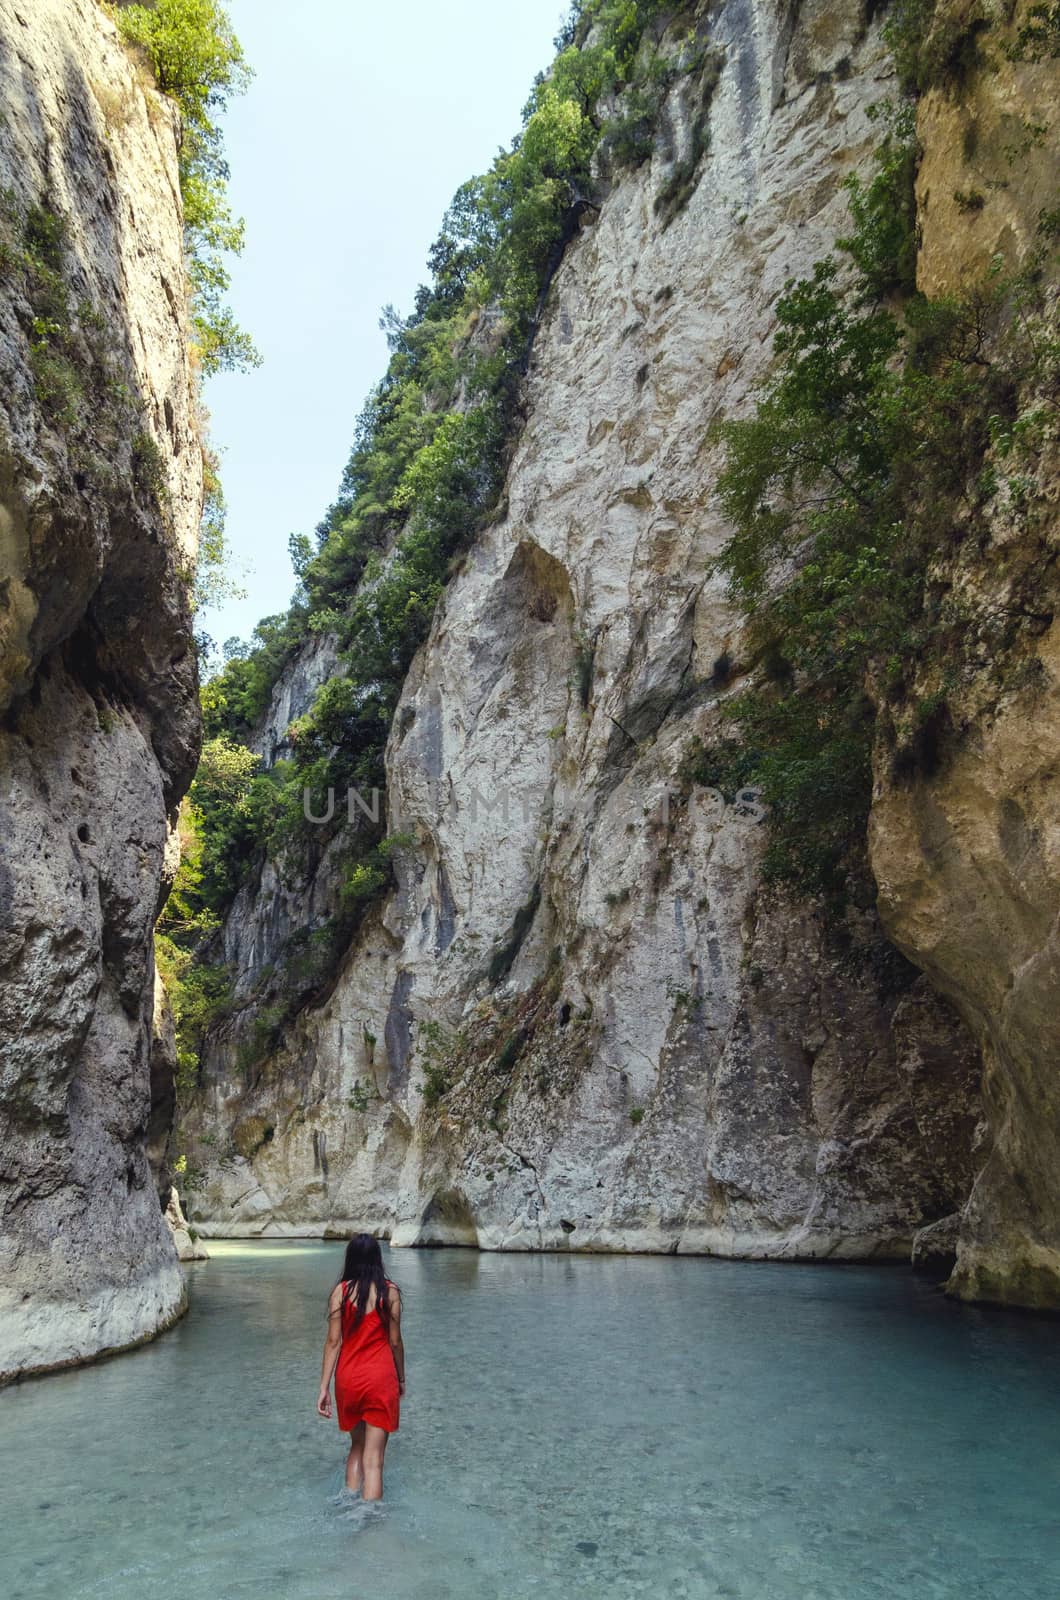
pixel 905 32
pixel 436 1053
pixel 34 247
pixel 727 766
pixel 149 471
pixel 220 824
pixel 448 488
pixel 361 1096
pixel 197 59
pixel 936 47
pixel 198 995
pixel 212 580
pixel 371 870
pixel 216 852
pixel 629 139
pixel 1038 38
pixel 79 371
pixel 424 475
pixel 216 830
pixel 883 245
pixel 844 488
pixel 235 698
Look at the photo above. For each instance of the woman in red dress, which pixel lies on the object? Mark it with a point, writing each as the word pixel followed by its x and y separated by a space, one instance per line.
pixel 363 1350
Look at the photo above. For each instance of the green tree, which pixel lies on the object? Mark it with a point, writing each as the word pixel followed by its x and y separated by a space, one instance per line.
pixel 427 462
pixel 864 463
pixel 197 59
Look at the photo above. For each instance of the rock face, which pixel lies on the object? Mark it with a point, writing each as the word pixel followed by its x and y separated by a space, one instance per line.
pixel 187 1246
pixel 968 870
pixel 268 913
pixel 969 873
pixel 100 495
pixel 582 1022
pixel 968 857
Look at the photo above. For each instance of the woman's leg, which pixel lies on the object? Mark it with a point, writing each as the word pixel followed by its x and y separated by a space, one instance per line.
pixel 374 1450
pixel 355 1459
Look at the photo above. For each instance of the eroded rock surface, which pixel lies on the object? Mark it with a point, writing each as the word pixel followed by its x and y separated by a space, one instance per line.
pixel 100 494
pixel 967 851
pixel 187 1245
pixel 627 1043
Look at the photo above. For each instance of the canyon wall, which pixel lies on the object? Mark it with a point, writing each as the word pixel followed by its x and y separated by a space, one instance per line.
pixel 583 1021
pixel 967 857
pixel 100 498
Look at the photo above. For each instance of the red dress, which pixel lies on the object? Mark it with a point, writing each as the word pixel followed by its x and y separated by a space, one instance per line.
pixel 366 1381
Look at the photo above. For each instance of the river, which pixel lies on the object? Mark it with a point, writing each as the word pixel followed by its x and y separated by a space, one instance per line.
pixel 574 1425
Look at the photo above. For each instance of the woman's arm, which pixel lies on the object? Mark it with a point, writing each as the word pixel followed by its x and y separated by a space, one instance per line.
pixel 396 1343
pixel 332 1346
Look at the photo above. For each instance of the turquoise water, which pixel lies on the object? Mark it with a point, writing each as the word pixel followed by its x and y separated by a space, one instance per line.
pixel 574 1426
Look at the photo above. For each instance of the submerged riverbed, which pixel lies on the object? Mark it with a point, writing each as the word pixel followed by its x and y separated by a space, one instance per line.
pixel 574 1425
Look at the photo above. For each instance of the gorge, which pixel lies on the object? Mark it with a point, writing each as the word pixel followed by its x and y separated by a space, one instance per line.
pixel 713 904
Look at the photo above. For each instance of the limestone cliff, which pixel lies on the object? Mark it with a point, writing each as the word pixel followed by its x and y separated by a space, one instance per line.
pixel 582 1021
pixel 966 853
pixel 100 497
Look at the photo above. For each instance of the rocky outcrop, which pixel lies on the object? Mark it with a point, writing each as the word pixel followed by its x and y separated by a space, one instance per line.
pixel 967 853
pixel 188 1245
pixel 100 494
pixel 270 915
pixel 582 1021
pixel 292 697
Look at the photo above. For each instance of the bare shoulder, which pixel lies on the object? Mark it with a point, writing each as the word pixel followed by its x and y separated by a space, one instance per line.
pixel 393 1296
pixel 335 1301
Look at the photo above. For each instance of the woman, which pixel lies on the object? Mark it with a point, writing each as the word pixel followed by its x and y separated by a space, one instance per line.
pixel 364 1339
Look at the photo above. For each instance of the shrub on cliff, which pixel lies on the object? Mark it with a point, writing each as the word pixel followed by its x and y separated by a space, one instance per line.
pixel 197 59
pixel 882 436
pixel 431 444
pixel 429 448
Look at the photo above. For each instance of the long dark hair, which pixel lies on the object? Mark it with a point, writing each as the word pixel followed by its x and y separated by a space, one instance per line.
pixel 363 1267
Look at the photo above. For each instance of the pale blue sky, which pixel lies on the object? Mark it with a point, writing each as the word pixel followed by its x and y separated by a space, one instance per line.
pixel 361 122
